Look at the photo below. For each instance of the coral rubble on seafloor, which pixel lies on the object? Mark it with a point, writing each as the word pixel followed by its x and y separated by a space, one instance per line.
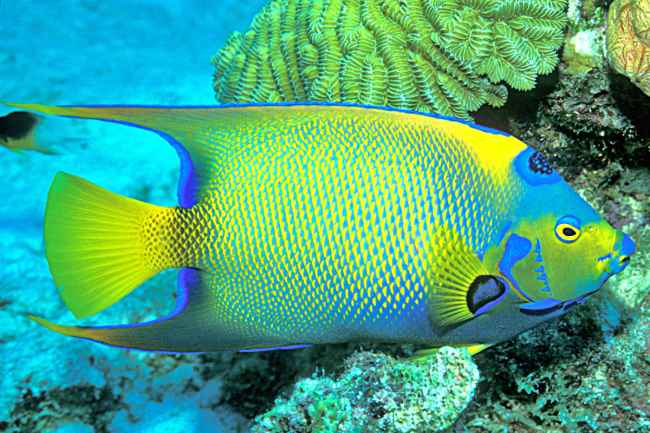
pixel 380 394
pixel 442 56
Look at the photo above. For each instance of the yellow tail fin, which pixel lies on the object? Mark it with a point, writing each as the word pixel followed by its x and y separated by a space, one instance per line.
pixel 100 245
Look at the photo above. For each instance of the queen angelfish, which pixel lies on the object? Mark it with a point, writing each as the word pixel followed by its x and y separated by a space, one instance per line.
pixel 303 224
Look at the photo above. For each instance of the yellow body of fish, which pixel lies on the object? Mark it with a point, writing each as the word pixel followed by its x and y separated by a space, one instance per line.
pixel 303 224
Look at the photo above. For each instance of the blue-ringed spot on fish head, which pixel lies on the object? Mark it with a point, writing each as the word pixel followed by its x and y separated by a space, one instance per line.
pixel 535 169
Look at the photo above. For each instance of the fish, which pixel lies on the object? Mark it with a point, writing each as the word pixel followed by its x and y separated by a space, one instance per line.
pixel 17 133
pixel 317 223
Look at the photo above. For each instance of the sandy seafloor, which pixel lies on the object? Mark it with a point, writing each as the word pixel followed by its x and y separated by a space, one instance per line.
pixel 85 52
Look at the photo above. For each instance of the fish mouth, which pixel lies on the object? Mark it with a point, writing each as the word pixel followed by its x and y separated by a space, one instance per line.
pixel 619 258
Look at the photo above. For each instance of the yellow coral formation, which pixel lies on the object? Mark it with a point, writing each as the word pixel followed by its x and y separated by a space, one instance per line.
pixel 444 56
pixel 628 40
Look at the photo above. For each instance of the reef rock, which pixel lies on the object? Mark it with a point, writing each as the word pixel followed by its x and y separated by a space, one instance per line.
pixel 380 394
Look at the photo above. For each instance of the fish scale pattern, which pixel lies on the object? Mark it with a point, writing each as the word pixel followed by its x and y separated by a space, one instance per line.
pixel 443 56
pixel 322 229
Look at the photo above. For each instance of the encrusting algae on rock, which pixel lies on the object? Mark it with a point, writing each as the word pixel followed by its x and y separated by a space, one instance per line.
pixel 442 56
pixel 380 394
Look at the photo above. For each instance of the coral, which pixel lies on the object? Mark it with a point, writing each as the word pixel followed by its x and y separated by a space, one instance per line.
pixel 589 120
pixel 567 376
pixel 72 427
pixel 591 117
pixel 38 412
pixel 444 56
pixel 628 40
pixel 584 46
pixel 582 51
pixel 378 393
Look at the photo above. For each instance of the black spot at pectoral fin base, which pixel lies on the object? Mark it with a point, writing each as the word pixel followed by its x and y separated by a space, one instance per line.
pixel 485 292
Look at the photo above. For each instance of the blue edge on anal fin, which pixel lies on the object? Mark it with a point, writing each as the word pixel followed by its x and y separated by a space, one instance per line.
pixel 187 278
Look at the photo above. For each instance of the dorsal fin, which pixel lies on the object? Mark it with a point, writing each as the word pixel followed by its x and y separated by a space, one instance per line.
pixel 193 132
pixel 203 135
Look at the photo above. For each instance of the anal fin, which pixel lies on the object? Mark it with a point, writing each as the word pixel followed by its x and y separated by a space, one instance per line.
pixel 186 330
pixel 196 325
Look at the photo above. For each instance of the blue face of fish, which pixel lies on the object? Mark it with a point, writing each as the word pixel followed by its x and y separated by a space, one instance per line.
pixel 556 252
pixel 560 250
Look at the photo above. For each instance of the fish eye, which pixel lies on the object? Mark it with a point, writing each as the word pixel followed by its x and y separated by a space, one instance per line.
pixel 568 229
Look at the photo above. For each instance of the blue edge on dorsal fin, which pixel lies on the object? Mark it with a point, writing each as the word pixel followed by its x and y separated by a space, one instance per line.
pixel 188 185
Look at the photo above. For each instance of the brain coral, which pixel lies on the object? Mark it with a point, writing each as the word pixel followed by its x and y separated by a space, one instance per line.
pixel 628 40
pixel 444 56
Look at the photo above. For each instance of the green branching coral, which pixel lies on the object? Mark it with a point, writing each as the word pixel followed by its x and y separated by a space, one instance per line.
pixel 444 56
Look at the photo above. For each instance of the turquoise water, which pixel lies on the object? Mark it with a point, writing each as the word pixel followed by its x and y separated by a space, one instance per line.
pixel 587 372
pixel 87 51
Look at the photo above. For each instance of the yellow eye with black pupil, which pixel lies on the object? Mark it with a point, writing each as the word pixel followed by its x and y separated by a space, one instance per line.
pixel 567 233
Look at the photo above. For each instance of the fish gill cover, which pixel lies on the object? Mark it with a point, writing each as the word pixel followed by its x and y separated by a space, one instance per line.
pixel 444 56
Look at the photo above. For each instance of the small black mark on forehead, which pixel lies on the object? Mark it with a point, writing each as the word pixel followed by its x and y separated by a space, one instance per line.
pixel 539 164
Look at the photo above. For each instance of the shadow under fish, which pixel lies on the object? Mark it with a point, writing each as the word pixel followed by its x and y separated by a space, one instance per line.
pixel 17 132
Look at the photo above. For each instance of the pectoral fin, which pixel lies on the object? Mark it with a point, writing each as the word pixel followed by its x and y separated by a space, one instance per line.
pixel 462 288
